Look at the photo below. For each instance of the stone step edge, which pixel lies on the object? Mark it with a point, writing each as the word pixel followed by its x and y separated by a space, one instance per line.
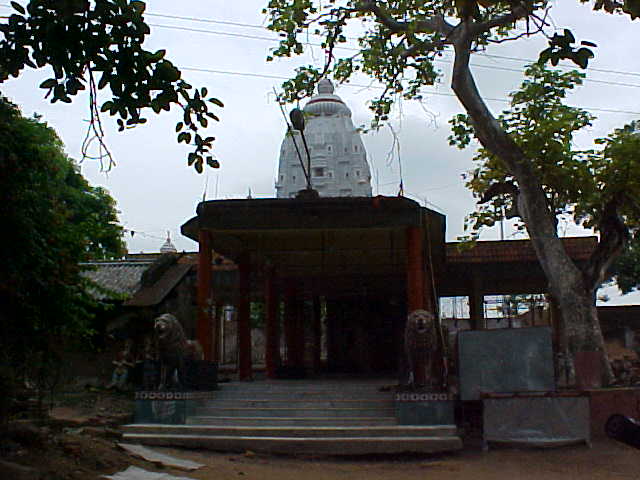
pixel 305 445
pixel 278 427
pixel 323 419
pixel 295 430
pixel 160 436
pixel 276 409
pixel 323 399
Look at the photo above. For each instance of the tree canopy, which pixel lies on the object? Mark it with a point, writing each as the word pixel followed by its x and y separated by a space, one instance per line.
pixel 577 183
pixel 52 221
pixel 97 46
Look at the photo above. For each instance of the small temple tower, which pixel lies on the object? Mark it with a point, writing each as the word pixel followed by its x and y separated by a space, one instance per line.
pixel 339 165
pixel 168 246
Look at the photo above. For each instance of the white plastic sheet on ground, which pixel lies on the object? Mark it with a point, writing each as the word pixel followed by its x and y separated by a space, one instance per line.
pixel 156 457
pixel 135 473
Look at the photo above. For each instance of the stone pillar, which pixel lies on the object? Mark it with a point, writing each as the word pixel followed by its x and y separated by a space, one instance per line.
pixel 204 328
pixel 272 335
pixel 244 326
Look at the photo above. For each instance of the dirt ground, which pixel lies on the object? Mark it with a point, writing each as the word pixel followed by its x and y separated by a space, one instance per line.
pixel 605 460
pixel 80 444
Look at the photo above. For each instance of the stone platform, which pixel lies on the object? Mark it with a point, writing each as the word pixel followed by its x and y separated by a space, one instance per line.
pixel 298 417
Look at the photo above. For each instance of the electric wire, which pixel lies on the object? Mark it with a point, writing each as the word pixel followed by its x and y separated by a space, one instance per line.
pixel 353 49
pixel 267 76
pixel 362 86
pixel 262 27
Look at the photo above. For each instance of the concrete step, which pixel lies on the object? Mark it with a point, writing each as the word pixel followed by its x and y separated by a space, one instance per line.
pixel 302 386
pixel 295 431
pixel 292 421
pixel 300 395
pixel 315 403
pixel 293 411
pixel 302 445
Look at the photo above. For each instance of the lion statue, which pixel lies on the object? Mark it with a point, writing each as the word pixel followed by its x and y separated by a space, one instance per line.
pixel 419 343
pixel 173 350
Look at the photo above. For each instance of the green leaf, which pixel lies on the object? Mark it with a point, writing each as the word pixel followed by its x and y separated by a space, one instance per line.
pixel 569 36
pixel 179 126
pixel 104 80
pixel 216 102
pixel 49 83
pixel 198 166
pixel 18 7
pixel 138 6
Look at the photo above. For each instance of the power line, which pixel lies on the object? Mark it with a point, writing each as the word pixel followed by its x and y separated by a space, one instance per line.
pixel 262 27
pixel 270 39
pixel 353 49
pixel 355 85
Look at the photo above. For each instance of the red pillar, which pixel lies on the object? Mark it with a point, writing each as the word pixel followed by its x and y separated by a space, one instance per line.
pixel 415 270
pixel 244 326
pixel 290 314
pixel 415 291
pixel 217 328
pixel 272 347
pixel 317 333
pixel 203 327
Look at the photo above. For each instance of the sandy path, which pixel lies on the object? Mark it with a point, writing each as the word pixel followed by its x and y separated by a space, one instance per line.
pixel 606 460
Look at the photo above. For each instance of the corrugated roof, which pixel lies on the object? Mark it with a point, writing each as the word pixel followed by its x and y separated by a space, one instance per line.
pixel 502 251
pixel 154 294
pixel 121 278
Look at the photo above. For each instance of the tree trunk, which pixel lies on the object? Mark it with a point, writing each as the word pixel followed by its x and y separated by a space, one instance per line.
pixel 567 283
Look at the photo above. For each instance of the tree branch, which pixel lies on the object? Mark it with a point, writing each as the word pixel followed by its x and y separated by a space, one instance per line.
pixel 518 12
pixel 614 235
pixel 532 203
pixel 430 25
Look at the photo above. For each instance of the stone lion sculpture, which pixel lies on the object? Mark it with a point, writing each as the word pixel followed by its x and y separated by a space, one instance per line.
pixel 419 342
pixel 173 350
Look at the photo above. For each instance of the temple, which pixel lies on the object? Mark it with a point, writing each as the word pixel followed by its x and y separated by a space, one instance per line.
pixel 337 156
pixel 327 275
pixel 338 272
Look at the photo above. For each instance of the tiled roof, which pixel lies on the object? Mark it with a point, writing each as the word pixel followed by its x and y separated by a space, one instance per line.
pixel 503 251
pixel 119 277
pixel 154 294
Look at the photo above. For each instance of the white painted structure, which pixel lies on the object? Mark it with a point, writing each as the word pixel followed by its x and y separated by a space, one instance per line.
pixel 339 165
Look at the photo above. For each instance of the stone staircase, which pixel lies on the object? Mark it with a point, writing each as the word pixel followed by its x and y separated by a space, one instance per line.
pixel 298 417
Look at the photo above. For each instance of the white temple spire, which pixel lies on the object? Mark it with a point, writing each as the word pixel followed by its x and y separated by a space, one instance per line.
pixel 339 165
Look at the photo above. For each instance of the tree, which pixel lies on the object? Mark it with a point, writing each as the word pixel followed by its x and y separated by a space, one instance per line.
pixel 626 268
pixel 52 221
pixel 92 45
pixel 397 45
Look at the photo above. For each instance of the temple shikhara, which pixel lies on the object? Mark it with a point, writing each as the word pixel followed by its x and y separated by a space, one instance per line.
pixel 339 166
pixel 326 275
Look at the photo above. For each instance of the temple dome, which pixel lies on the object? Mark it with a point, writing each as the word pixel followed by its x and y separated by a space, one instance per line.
pixel 168 247
pixel 325 102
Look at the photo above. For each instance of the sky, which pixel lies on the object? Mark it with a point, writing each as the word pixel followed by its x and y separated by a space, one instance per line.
pixel 223 46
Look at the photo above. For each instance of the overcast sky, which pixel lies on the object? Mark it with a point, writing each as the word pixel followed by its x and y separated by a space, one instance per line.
pixel 156 192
